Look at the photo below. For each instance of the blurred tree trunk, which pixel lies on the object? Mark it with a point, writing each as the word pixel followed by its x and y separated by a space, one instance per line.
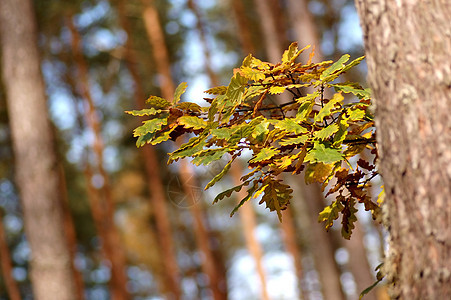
pixel 290 239
pixel 104 199
pixel 247 216
pixel 243 27
pixel 271 38
pixel 307 34
pixel 407 44
pixel 155 184
pixel 156 37
pixel 322 247
pixel 214 81
pixel 36 163
pixel 6 264
pixel 69 230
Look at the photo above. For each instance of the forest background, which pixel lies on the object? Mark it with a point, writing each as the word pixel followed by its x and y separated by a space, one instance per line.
pixel 139 229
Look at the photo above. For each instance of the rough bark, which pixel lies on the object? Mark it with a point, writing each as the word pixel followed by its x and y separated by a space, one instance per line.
pixel 35 158
pixel 407 44
pixel 7 264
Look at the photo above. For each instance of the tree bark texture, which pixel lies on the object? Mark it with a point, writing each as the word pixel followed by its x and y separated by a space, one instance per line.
pixel 36 163
pixel 408 45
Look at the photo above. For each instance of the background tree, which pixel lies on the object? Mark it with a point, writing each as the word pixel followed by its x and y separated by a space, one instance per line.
pixel 35 158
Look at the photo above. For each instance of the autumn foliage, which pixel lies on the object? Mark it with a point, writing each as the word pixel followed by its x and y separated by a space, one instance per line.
pixel 312 133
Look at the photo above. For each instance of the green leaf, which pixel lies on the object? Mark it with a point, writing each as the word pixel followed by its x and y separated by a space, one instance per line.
pixel 330 213
pixel 252 74
pixel 236 88
pixel 228 193
pixel 304 110
pixel 326 132
pixel 192 122
pixel 222 133
pixel 218 90
pixel 150 126
pixel 189 106
pixel 318 172
pixel 337 66
pixel 264 154
pixel 144 112
pixel 194 145
pixel 349 88
pixel 220 175
pixel 299 140
pixel 368 289
pixel 290 53
pixel 158 102
pixel 353 63
pixel 320 153
pixel 181 88
pixel 250 192
pixel 206 157
pixel 356 114
pixel 162 137
pixel 260 131
pixel 327 110
pixel 342 131
pixel 290 125
pixel 144 139
pixel 274 90
pixel 308 97
pixel 242 131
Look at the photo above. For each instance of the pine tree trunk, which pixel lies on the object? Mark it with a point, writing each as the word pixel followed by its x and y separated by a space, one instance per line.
pixel 103 195
pixel 408 44
pixel 187 175
pixel 155 185
pixel 247 216
pixel 36 163
pixel 7 264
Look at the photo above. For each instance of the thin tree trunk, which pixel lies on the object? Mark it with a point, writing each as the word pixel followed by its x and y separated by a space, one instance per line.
pixel 69 230
pixel 160 52
pixel 290 240
pixel 407 44
pixel 155 184
pixel 7 265
pixel 217 286
pixel 118 284
pixel 244 33
pixel 321 245
pixel 156 38
pixel 271 37
pixel 36 163
pixel 203 39
pixel 247 216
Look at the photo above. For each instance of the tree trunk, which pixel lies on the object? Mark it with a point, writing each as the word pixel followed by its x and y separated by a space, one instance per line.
pixel 247 216
pixel 155 185
pixel 36 163
pixel 407 44
pixel 7 265
pixel 105 206
pixel 156 37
